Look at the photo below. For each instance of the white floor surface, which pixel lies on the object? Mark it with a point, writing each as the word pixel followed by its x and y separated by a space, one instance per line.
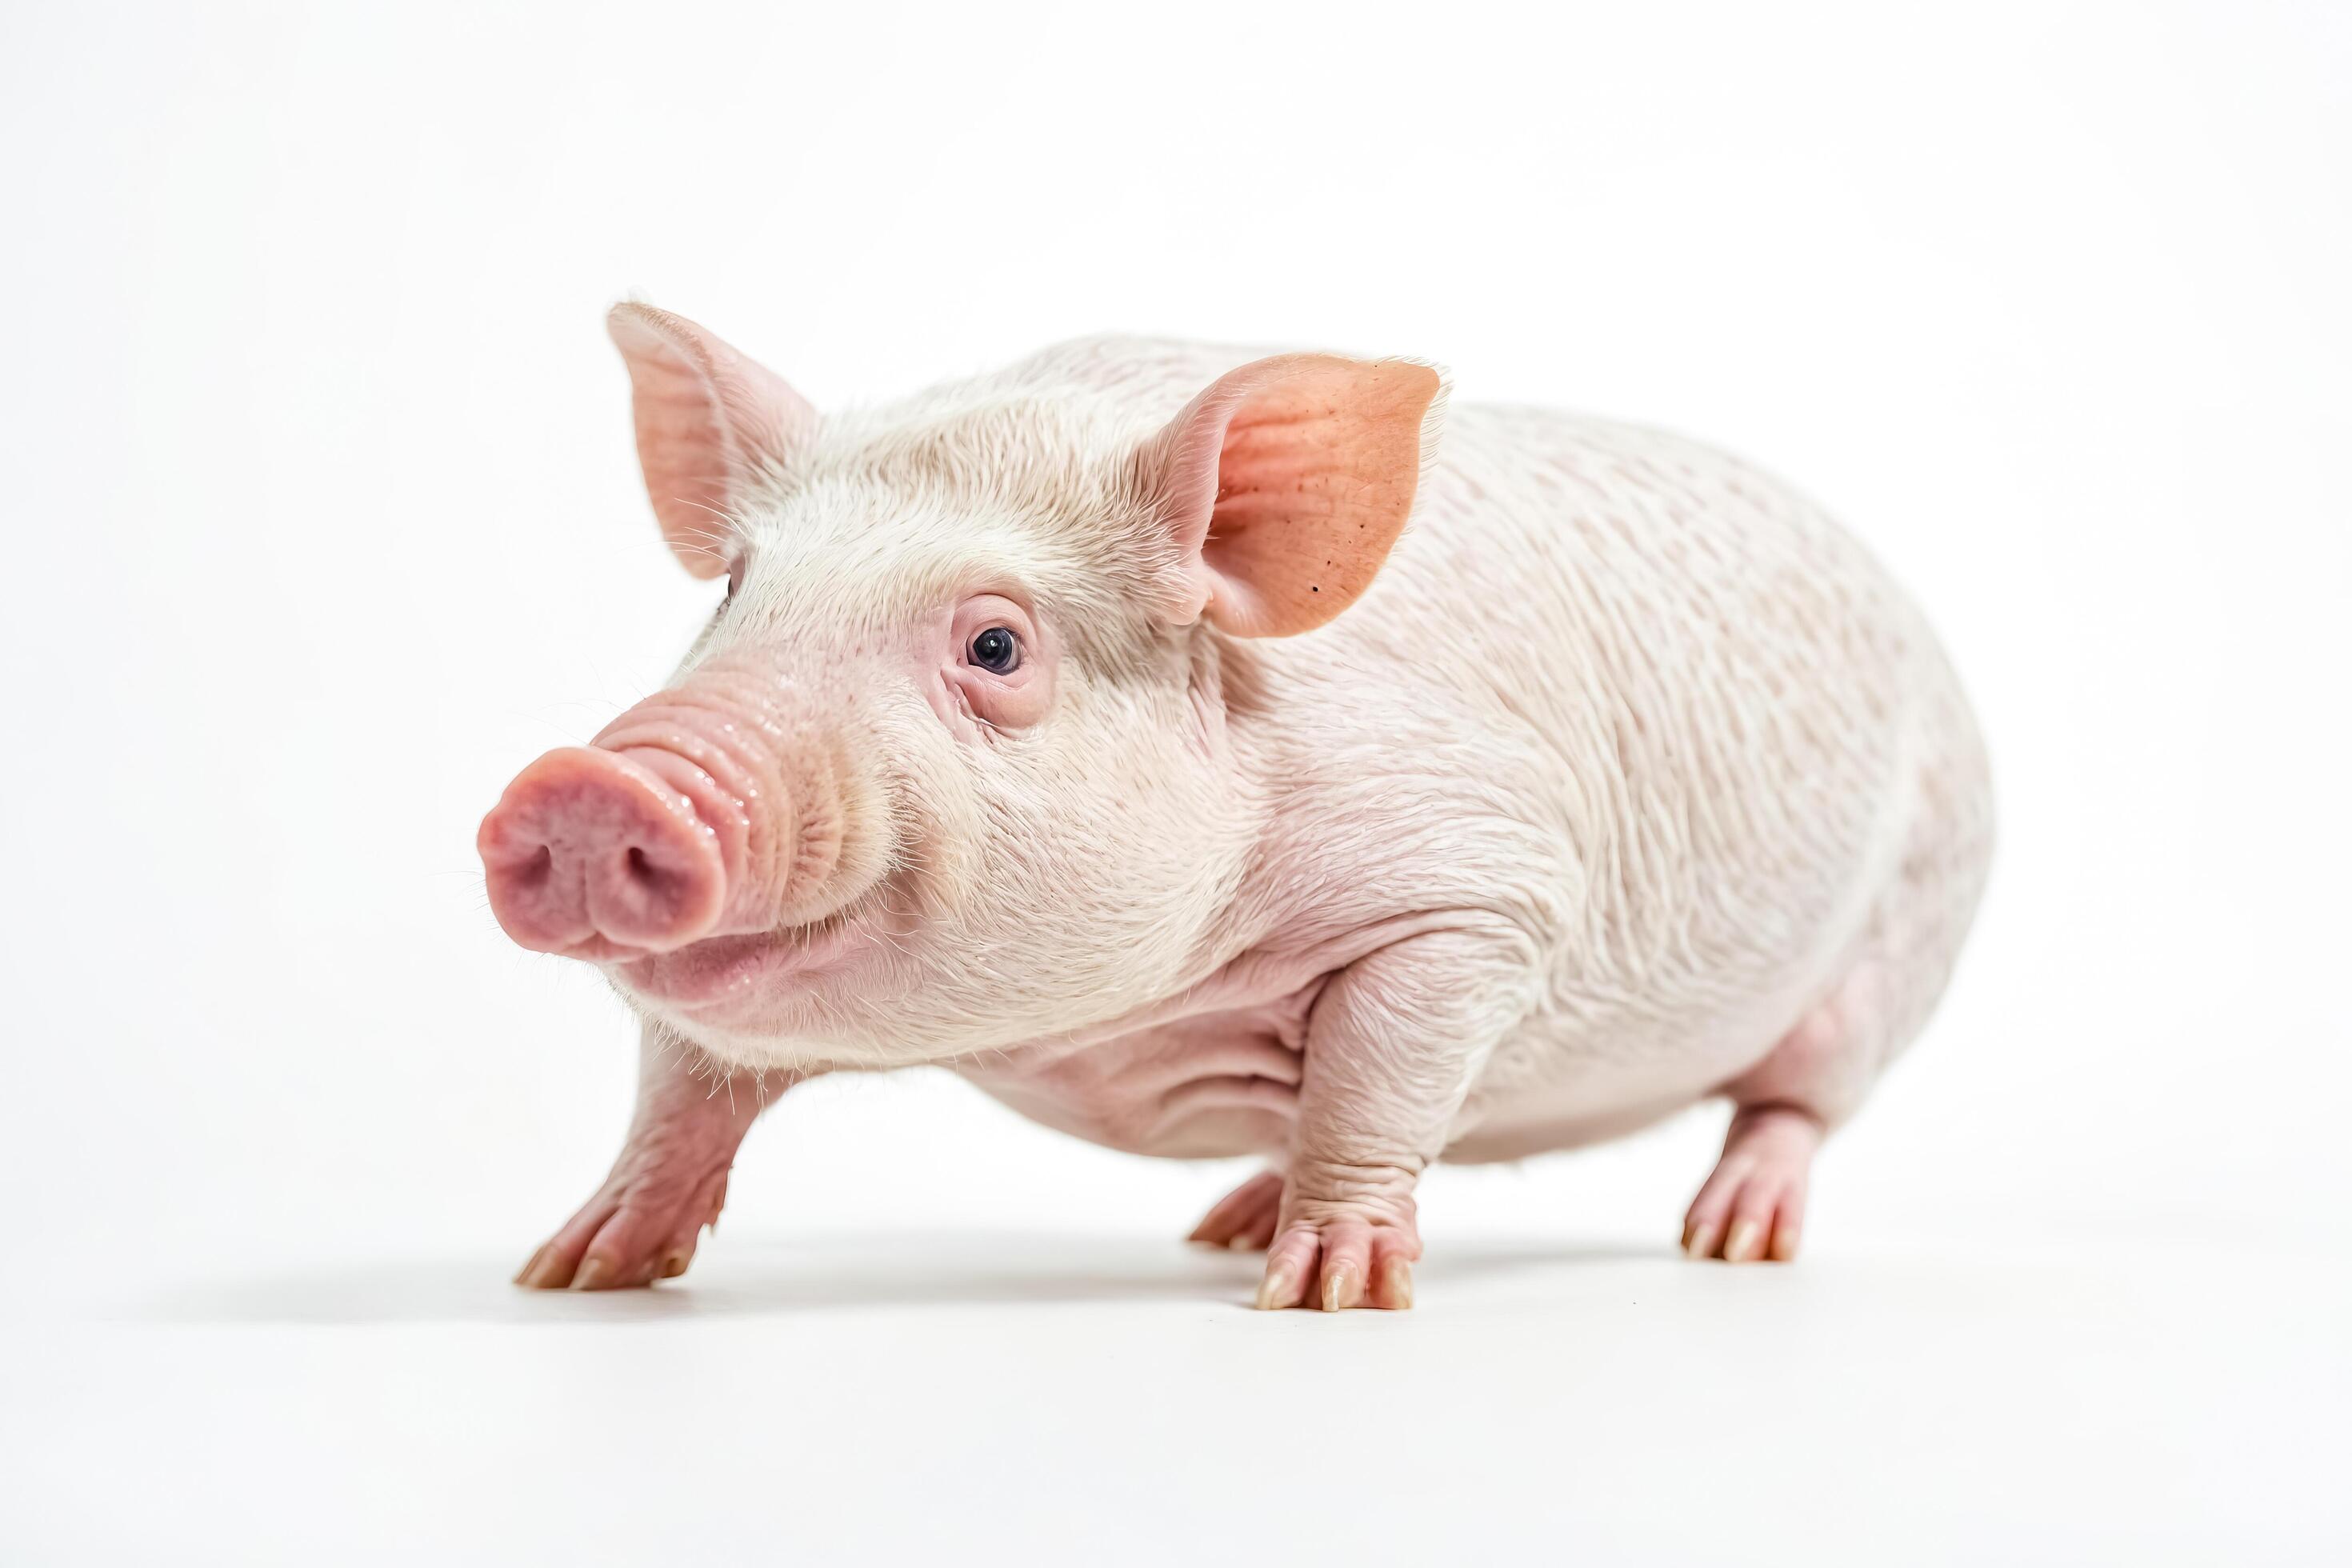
pixel 1039 1398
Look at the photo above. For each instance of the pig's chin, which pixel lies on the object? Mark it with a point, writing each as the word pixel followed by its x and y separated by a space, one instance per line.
pixel 725 980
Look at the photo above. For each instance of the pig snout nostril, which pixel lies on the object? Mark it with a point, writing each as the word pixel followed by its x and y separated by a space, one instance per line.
pixel 650 887
pixel 535 870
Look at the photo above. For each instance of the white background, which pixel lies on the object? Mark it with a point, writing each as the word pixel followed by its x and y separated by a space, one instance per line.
pixel 321 518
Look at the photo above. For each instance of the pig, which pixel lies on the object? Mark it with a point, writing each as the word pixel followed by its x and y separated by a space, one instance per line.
pixel 1214 754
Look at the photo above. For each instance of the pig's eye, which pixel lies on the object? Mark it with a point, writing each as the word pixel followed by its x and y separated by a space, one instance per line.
pixel 734 580
pixel 996 650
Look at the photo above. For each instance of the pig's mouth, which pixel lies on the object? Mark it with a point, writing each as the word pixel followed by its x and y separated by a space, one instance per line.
pixel 712 973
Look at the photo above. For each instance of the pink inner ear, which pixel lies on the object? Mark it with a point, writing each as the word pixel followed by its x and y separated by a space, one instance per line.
pixel 706 417
pixel 1316 461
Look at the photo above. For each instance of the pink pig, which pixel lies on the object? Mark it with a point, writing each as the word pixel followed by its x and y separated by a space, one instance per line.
pixel 1205 759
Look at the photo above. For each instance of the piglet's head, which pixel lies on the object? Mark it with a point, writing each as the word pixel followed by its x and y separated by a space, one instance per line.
pixel 949 768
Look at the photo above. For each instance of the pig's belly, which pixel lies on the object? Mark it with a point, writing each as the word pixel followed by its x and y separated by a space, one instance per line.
pixel 1210 1084
pixel 1225 1084
pixel 1549 1087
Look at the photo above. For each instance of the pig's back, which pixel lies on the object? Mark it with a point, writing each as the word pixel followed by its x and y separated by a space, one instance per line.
pixel 1750 722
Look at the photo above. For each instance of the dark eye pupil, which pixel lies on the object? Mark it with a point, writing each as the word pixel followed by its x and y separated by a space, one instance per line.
pixel 994 650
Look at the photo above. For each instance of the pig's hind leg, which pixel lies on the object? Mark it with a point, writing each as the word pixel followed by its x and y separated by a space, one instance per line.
pixel 1753 1207
pixel 668 1182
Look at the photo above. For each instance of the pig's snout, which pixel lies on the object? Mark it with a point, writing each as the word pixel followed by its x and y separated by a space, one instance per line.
pixel 592 853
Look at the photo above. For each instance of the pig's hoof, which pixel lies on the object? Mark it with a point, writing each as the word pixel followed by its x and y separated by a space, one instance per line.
pixel 1753 1207
pixel 630 1233
pixel 1243 1218
pixel 1338 1262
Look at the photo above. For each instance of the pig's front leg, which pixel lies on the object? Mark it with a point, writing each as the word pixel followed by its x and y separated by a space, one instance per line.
pixel 1393 1046
pixel 669 1181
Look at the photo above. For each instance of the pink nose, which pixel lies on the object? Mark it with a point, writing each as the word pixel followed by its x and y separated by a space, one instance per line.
pixel 589 854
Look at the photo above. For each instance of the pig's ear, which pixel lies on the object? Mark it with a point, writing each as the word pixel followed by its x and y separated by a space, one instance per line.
pixel 1287 480
pixel 707 419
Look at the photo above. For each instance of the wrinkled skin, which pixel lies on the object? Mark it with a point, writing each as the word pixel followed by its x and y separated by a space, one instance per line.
pixel 1206 758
